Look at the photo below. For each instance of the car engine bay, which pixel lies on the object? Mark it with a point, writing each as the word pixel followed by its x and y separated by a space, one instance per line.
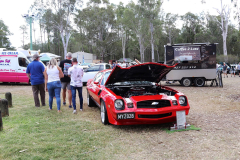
pixel 129 91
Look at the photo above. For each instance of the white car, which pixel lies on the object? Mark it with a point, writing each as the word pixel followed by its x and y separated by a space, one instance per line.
pixel 89 73
pixel 84 66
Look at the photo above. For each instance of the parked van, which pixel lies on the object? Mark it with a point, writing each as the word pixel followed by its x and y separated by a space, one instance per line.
pixel 13 66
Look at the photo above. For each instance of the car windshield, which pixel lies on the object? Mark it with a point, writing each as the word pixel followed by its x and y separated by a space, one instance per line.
pixel 94 68
pixel 84 64
pixel 134 83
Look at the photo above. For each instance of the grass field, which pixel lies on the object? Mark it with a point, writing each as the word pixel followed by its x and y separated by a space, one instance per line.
pixel 37 133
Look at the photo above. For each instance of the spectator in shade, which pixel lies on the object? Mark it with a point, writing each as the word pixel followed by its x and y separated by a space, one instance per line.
pixel 76 74
pixel 53 73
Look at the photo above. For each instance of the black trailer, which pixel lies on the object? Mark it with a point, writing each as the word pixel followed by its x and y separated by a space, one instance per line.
pixel 197 63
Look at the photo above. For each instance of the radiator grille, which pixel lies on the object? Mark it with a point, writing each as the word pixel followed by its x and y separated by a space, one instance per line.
pixel 153 104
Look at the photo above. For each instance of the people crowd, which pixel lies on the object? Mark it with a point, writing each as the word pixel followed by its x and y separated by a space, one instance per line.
pixel 233 70
pixel 56 76
pixel 66 76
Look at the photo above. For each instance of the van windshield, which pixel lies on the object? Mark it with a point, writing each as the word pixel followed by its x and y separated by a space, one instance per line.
pixel 30 59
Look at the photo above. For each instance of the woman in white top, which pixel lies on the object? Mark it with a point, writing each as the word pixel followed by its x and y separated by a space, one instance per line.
pixel 53 73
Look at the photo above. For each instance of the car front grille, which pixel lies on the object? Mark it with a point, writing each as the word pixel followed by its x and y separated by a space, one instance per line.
pixel 153 104
pixel 155 116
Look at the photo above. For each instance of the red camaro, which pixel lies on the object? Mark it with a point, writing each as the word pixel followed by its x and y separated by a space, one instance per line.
pixel 134 95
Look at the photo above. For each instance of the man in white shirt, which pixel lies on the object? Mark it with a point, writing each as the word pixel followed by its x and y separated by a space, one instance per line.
pixel 124 65
pixel 76 74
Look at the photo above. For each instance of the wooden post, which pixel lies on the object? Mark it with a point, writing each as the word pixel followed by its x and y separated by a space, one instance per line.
pixel 8 96
pixel 4 107
pixel 1 125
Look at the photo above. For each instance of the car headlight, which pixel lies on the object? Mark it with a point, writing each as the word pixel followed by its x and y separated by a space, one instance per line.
pixel 119 105
pixel 182 101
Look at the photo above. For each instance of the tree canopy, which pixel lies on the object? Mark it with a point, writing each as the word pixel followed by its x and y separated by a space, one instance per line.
pixel 135 30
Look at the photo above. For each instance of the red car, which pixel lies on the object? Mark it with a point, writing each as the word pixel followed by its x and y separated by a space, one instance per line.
pixel 134 95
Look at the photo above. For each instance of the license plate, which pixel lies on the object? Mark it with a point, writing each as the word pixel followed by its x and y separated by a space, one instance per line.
pixel 125 115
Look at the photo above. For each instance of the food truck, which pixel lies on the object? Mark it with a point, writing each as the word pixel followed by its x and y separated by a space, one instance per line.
pixel 13 66
pixel 196 63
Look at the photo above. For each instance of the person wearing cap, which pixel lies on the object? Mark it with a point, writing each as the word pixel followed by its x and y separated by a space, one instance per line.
pixel 35 72
pixel 65 81
pixel 76 74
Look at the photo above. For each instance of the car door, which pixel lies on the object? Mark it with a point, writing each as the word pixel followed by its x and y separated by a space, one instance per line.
pixel 21 70
pixel 96 87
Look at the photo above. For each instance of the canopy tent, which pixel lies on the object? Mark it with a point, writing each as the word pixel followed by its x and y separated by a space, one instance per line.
pixel 125 59
pixel 45 57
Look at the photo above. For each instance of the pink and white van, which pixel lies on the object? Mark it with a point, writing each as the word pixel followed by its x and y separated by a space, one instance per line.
pixel 13 66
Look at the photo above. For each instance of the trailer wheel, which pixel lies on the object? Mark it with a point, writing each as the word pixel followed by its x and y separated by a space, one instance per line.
pixel 199 82
pixel 186 82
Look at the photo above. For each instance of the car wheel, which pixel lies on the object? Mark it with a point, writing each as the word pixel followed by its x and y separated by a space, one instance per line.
pixel 104 116
pixel 186 82
pixel 199 82
pixel 90 102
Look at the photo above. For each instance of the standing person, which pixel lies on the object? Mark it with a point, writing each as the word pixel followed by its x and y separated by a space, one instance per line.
pixel 113 65
pixel 76 74
pixel 53 73
pixel 65 65
pixel 225 69
pixel 124 65
pixel 238 68
pixel 35 72
pixel 233 70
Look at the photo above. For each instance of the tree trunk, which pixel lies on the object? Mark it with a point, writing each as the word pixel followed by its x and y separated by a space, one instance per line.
pixel 4 107
pixel 8 96
pixel 1 124
pixel 152 42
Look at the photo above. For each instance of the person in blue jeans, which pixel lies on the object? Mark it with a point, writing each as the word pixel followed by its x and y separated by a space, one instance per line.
pixel 76 74
pixel 53 73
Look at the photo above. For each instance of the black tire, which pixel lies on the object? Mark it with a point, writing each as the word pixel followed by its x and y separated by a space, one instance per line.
pixel 90 102
pixel 186 82
pixel 104 116
pixel 199 82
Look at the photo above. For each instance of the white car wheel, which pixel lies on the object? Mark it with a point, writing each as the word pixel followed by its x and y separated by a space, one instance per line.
pixel 104 117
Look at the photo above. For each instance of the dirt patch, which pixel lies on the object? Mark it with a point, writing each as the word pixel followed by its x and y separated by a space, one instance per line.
pixel 235 97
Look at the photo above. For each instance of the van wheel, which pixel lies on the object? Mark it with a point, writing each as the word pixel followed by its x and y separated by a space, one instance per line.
pixel 186 82
pixel 199 82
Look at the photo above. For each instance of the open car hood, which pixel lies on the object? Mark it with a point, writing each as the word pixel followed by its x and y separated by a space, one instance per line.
pixel 153 72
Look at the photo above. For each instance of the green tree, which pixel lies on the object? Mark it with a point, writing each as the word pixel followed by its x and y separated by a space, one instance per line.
pixel 23 29
pixel 4 32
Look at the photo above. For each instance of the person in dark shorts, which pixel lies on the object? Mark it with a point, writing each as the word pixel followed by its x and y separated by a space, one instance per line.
pixel 65 81
pixel 225 69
